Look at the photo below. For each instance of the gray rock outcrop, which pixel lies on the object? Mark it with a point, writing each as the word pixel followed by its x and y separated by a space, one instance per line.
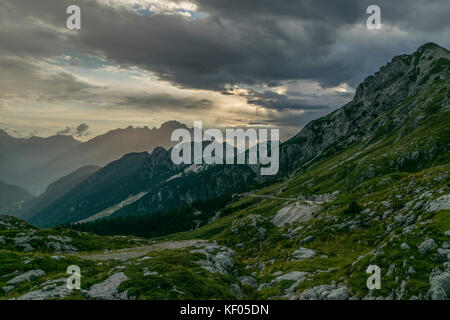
pixel 303 253
pixel 108 289
pixel 326 292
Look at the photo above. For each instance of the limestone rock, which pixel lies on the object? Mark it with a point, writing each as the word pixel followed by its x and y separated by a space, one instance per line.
pixel 326 292
pixel 218 258
pixel 249 281
pixel 440 284
pixel 427 246
pixel 108 289
pixel 26 276
pixel 50 290
pixel 303 253
pixel 404 246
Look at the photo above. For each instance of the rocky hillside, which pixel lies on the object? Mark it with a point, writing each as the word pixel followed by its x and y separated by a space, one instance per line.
pixel 394 101
pixel 55 191
pixel 142 183
pixel 273 244
pixel 113 183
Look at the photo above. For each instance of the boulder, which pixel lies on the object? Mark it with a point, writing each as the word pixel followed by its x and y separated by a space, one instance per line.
pixel 326 292
pixel 108 289
pixel 441 203
pixel 427 246
pixel 248 281
pixel 303 253
pixel 49 290
pixel 440 284
pixel 26 277
pixel 236 290
pixel 219 259
pixel 404 246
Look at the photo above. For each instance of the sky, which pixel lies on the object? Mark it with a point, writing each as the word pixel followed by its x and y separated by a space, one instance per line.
pixel 233 63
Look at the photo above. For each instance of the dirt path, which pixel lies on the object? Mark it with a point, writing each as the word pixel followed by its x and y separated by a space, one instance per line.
pixel 130 253
pixel 264 196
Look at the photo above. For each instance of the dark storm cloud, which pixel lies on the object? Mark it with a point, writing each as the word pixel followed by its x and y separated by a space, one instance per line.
pixel 20 78
pixel 331 11
pixel 67 130
pixel 255 42
pixel 163 101
pixel 242 41
pixel 273 100
pixel 82 130
pixel 20 33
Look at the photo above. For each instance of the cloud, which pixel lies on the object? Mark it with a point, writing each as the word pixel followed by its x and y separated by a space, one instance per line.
pixel 79 131
pixel 163 101
pixel 22 78
pixel 240 42
pixel 66 131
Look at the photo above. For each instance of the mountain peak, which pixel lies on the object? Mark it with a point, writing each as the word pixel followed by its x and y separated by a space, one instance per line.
pixel 172 124
pixel 430 46
pixel 405 74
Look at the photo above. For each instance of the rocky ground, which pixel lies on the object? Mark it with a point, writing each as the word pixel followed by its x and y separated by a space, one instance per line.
pixel 274 248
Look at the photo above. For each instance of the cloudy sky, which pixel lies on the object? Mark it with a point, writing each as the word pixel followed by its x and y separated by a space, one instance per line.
pixel 229 63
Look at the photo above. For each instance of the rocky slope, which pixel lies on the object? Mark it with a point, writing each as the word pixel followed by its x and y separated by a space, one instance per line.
pixel 397 98
pixel 113 183
pixel 55 191
pixel 142 183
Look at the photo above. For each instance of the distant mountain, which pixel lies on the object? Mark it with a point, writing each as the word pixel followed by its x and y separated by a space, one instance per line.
pixel 55 191
pixel 19 157
pixel 12 197
pixel 36 162
pixel 113 183
pixel 152 178
pixel 403 105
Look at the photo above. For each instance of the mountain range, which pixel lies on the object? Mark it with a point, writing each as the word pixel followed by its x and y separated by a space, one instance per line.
pixel 367 185
pixel 399 99
pixel 35 162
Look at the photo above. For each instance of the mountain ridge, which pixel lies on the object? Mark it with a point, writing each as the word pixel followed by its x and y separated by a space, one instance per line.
pixel 387 101
pixel 32 172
